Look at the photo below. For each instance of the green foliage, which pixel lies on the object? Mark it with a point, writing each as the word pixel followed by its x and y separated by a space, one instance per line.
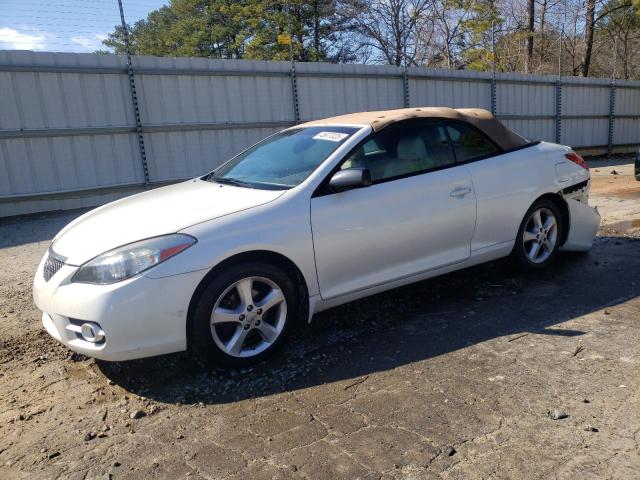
pixel 623 16
pixel 234 29
pixel 199 28
pixel 483 20
pixel 433 33
pixel 311 25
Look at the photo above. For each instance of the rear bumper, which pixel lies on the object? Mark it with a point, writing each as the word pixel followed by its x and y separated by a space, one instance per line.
pixel 583 226
pixel 139 317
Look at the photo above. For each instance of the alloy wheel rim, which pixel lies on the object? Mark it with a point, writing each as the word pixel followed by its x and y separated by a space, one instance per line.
pixel 540 235
pixel 248 317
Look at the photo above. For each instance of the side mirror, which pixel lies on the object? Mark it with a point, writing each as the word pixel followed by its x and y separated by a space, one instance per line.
pixel 350 178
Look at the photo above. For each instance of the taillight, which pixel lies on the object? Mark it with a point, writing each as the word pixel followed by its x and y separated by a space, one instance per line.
pixel 577 159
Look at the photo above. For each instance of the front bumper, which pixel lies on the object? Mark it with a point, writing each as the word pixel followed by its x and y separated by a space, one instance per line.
pixel 139 317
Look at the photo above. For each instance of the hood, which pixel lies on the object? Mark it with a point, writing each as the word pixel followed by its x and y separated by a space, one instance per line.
pixel 152 213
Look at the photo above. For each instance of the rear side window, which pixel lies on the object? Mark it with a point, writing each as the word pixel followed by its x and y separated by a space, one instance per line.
pixel 470 143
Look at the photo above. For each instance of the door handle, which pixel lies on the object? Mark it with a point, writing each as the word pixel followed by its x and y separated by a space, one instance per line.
pixel 460 192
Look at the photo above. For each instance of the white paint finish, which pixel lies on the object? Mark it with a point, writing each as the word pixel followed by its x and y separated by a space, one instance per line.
pixel 479 257
pixel 568 173
pixel 152 213
pixel 585 221
pixel 506 186
pixel 391 230
pixel 366 240
pixel 263 228
pixel 140 316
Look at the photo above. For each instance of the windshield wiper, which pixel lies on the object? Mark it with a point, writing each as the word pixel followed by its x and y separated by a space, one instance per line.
pixel 232 181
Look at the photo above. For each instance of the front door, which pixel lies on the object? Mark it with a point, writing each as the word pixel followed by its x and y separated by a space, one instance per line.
pixel 418 215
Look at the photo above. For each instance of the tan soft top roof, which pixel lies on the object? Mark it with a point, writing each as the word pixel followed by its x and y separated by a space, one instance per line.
pixel 480 118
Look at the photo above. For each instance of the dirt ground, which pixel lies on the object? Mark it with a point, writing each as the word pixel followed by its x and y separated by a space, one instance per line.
pixel 484 373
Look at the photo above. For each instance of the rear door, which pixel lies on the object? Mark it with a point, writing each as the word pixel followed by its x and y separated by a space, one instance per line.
pixel 418 215
pixel 504 184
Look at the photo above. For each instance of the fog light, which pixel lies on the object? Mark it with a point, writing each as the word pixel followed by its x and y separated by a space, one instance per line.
pixel 91 332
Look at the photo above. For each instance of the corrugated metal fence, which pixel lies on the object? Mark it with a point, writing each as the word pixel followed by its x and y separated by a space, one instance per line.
pixel 69 137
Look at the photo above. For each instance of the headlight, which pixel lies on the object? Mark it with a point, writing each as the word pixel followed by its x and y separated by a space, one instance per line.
pixel 129 260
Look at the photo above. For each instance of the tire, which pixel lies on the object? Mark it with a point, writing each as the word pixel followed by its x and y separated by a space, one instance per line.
pixel 252 305
pixel 535 248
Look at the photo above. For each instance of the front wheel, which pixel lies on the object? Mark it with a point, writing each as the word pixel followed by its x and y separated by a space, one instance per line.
pixel 539 236
pixel 244 315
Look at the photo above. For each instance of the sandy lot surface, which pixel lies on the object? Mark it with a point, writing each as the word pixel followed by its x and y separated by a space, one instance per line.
pixel 463 376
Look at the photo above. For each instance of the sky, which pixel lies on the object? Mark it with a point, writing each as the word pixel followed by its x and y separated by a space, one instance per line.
pixel 65 25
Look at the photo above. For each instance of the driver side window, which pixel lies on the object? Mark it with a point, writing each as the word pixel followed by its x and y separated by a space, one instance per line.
pixel 403 151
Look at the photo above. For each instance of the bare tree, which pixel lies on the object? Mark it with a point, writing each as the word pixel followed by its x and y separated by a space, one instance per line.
pixel 450 20
pixel 589 22
pixel 390 27
pixel 531 18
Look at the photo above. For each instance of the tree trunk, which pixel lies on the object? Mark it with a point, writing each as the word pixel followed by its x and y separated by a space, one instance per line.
pixel 531 7
pixel 588 38
pixel 316 29
pixel 397 24
pixel 627 72
pixel 543 18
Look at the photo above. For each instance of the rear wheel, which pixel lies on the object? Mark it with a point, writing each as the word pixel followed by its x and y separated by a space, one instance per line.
pixel 539 235
pixel 244 315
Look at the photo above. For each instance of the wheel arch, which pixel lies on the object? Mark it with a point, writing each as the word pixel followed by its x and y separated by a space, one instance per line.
pixel 268 256
pixel 561 203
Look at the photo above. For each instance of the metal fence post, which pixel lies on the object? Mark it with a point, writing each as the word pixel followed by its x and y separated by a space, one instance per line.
pixel 558 113
pixel 559 91
pixel 494 91
pixel 405 88
pixel 612 115
pixel 134 98
pixel 494 99
pixel 612 97
pixel 294 93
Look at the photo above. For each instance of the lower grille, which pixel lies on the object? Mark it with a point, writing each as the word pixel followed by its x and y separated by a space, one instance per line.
pixel 51 266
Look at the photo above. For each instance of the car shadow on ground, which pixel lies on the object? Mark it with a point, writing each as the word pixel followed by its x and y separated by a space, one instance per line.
pixel 405 325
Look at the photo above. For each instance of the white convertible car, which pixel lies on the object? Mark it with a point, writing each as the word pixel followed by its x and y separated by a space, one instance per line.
pixel 311 217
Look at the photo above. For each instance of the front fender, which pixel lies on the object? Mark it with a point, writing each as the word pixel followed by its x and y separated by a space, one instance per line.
pixel 285 231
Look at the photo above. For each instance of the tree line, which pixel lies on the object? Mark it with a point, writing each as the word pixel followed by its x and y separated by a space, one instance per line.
pixel 567 37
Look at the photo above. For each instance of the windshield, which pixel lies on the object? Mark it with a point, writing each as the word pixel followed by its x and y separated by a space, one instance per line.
pixel 283 160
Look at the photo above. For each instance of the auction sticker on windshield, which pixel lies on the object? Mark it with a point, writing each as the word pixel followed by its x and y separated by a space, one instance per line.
pixel 331 136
